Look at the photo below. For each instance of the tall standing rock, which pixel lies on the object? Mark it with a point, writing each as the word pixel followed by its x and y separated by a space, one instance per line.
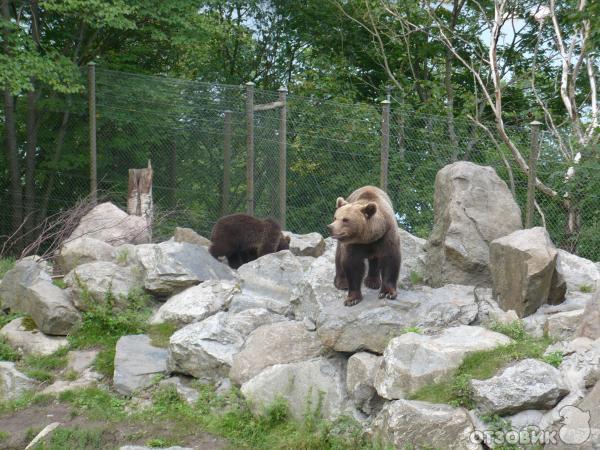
pixel 473 206
pixel 523 266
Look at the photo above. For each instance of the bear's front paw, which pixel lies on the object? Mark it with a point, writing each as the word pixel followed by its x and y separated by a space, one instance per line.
pixel 373 282
pixel 353 299
pixel 341 283
pixel 388 293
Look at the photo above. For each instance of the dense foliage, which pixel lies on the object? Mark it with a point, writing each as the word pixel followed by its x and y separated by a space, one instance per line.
pixel 336 59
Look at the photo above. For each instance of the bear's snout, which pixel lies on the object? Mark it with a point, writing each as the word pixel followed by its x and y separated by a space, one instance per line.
pixel 330 227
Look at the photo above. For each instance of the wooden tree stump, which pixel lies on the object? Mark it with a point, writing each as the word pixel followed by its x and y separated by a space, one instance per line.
pixel 139 197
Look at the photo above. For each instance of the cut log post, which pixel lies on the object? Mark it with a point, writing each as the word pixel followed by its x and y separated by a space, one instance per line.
pixel 139 197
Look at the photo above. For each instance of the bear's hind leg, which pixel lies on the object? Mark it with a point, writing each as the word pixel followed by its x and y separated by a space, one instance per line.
pixel 390 271
pixel 340 281
pixel 354 269
pixel 373 279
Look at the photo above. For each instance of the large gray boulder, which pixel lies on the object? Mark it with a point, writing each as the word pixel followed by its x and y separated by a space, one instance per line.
pixel 12 382
pixel 523 265
pixel 360 380
pixel 528 384
pixel 423 425
pixel 106 222
pixel 205 349
pixel 170 267
pixel 94 281
pixel 276 343
pixel 28 289
pixel 137 363
pixel 373 322
pixel 412 360
pixel 316 385
pixel 83 250
pixel 577 271
pixel 473 206
pixel 31 342
pixel 311 244
pixel 590 323
pixel 196 303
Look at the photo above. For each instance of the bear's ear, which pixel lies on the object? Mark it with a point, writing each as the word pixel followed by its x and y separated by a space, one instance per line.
pixel 340 202
pixel 369 210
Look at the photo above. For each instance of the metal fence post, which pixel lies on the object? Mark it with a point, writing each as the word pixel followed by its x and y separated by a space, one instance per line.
pixel 92 125
pixel 531 181
pixel 226 163
pixel 385 144
pixel 250 148
pixel 282 155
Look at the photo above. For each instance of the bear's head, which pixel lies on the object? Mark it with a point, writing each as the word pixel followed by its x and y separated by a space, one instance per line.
pixel 284 243
pixel 354 222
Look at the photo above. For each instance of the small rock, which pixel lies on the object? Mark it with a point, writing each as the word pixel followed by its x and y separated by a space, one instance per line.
pixel 137 362
pixel 590 323
pixel 528 384
pixel 12 382
pixel 423 425
pixel 577 271
pixel 82 251
pixel 360 379
pixel 276 343
pixel 31 342
pixel 80 360
pixel 413 256
pixel 412 360
pixel 562 326
pixel 189 394
pixel 88 378
pixel 311 244
pixel 196 303
pixel 317 384
pixel 190 236
pixel 96 280
pixel 580 366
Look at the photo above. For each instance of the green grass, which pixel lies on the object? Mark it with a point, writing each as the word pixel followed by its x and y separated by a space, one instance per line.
pixel 95 403
pixel 161 333
pixel 485 364
pixel 28 324
pixel 416 278
pixel 6 264
pixel 59 282
pixel 24 401
pixel 6 318
pixel 7 353
pixel 554 358
pixel 76 438
pixel 44 368
pixel 4 435
pixel 103 324
pixel 412 330
pixel 586 288
pixel 230 417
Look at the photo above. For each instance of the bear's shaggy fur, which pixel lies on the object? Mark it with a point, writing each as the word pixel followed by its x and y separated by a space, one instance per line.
pixel 365 228
pixel 243 238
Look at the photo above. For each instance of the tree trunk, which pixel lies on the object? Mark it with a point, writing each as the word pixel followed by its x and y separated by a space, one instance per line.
pixel 12 157
pixel 30 157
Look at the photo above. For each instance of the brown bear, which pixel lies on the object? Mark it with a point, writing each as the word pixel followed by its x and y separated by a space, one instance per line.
pixel 243 238
pixel 365 228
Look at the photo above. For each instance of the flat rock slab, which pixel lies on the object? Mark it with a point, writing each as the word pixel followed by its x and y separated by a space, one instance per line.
pixel 528 384
pixel 277 343
pixel 137 362
pixel 423 425
pixel 31 342
pixel 563 326
pixel 196 303
pixel 80 360
pixel 412 360
pixel 304 385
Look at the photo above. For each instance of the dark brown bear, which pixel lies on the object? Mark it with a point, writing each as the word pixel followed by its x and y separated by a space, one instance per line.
pixel 243 238
pixel 365 228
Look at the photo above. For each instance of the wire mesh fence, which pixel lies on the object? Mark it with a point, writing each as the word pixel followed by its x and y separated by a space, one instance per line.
pixel 332 149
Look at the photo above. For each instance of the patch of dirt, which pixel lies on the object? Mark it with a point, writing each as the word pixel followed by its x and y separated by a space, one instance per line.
pixel 22 426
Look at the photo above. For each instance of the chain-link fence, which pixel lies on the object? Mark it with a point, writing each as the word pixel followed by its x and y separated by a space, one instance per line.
pixel 184 127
